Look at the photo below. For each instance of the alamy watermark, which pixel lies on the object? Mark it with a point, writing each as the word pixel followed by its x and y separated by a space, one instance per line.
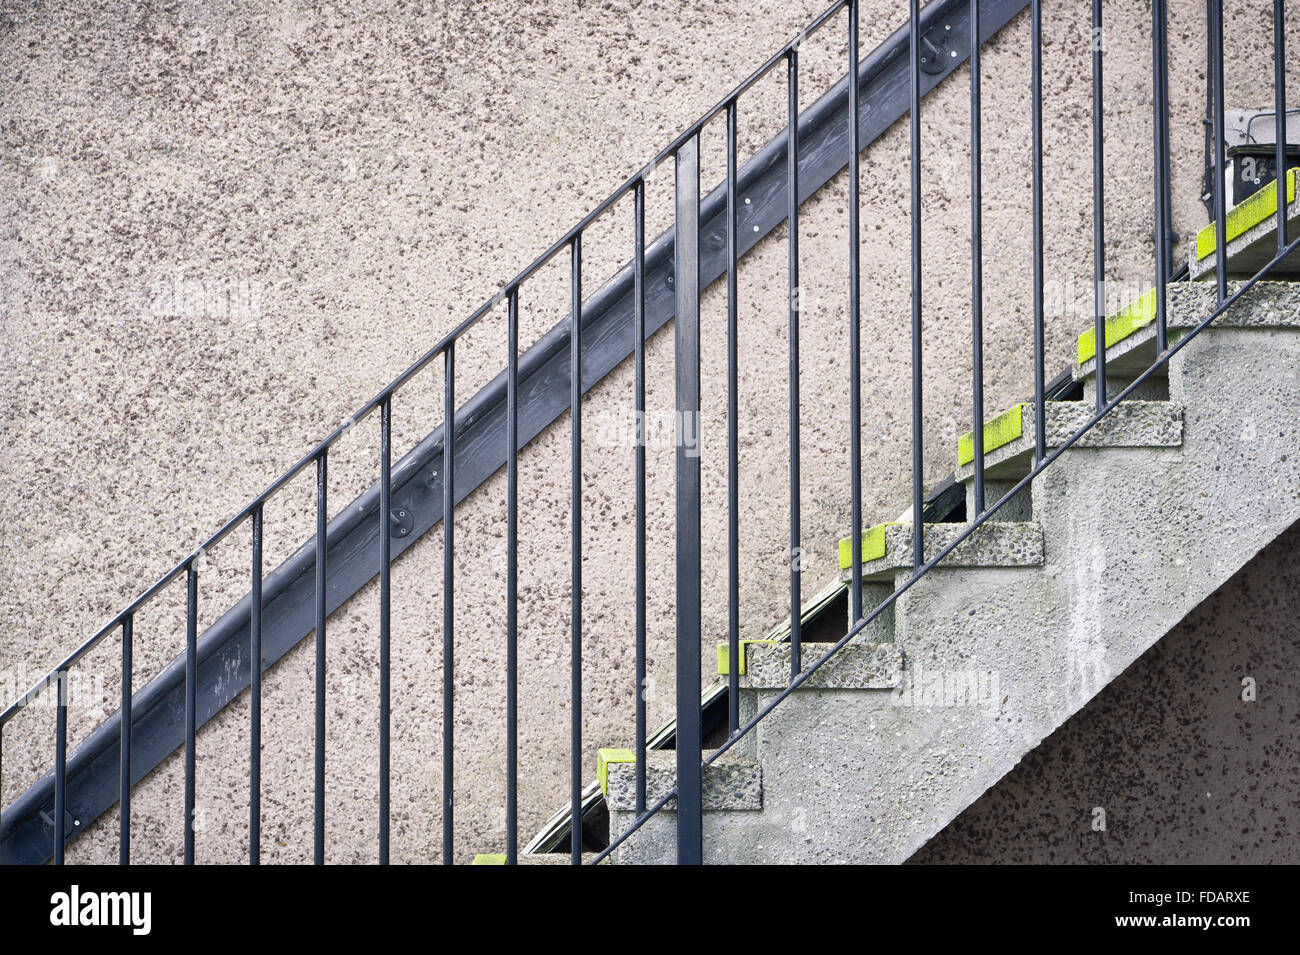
pixel 1079 297
pixel 661 429
pixel 981 689
pixel 236 298
pixel 80 689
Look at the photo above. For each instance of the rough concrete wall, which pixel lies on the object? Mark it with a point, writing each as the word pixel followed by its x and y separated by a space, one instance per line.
pixel 1185 770
pixel 348 182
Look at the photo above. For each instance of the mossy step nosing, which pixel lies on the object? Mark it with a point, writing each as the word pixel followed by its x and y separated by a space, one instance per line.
pixel 1245 216
pixel 993 544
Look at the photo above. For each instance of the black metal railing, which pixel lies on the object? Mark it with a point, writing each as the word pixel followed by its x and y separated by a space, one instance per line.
pixel 685 152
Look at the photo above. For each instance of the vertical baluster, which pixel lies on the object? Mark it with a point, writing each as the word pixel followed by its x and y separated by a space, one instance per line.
pixel 512 576
pixel 855 335
pixel 575 550
pixel 322 555
pixel 792 244
pixel 1098 209
pixel 1166 199
pixel 976 262
pixel 449 605
pixel 1220 159
pixel 191 697
pixel 686 343
pixel 255 697
pixel 1160 105
pixel 61 766
pixel 638 360
pixel 1279 106
pixel 1036 122
pixel 124 748
pixel 385 616
pixel 918 458
pixel 733 435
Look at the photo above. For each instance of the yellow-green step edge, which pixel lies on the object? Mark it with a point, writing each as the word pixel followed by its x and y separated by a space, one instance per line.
pixel 491 858
pixel 1245 216
pixel 873 546
pixel 1137 314
pixel 1000 431
pixel 606 756
pixel 724 655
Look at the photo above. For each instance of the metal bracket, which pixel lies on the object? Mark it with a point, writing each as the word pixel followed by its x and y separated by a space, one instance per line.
pixel 403 523
pixel 937 49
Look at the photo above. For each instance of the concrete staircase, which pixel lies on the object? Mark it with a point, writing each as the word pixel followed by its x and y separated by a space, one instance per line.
pixel 1110 547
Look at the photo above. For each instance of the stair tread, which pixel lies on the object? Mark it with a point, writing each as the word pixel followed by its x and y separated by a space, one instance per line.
pixel 856 666
pixel 1273 304
pixel 888 547
pixel 731 782
pixel 1009 437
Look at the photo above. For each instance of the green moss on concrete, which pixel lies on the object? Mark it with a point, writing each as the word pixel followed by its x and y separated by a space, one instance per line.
pixel 873 546
pixel 1244 217
pixel 1002 430
pixel 606 756
pixel 724 655
pixel 1137 314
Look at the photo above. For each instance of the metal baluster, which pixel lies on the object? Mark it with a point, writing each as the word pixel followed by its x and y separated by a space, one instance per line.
pixel 977 262
pixel 385 619
pixel 191 691
pixel 1161 107
pixel 1036 121
pixel 855 336
pixel 1220 160
pixel 449 604
pixel 686 340
pixel 1098 209
pixel 1279 106
pixel 575 549
pixel 255 698
pixel 638 360
pixel 792 243
pixel 61 766
pixel 322 554
pixel 733 436
pixel 512 577
pixel 124 748
pixel 918 454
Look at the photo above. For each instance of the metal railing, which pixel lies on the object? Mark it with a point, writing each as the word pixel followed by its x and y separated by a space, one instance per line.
pixel 684 150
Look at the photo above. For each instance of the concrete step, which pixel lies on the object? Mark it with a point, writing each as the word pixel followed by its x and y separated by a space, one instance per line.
pixel 536 858
pixel 730 783
pixel 1009 438
pixel 858 666
pixel 887 548
pixel 1130 334
pixel 1251 231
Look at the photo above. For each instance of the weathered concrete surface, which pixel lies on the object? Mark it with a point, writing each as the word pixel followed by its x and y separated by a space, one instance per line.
pixel 730 783
pixel 335 187
pixel 997 658
pixel 995 544
pixel 860 666
pixel 1133 424
pixel 1184 768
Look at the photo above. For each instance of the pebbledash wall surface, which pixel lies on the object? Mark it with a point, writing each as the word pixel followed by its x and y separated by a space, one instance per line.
pixel 228 225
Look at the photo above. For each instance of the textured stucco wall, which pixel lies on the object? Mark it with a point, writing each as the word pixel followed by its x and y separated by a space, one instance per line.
pixel 350 181
pixel 1185 770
